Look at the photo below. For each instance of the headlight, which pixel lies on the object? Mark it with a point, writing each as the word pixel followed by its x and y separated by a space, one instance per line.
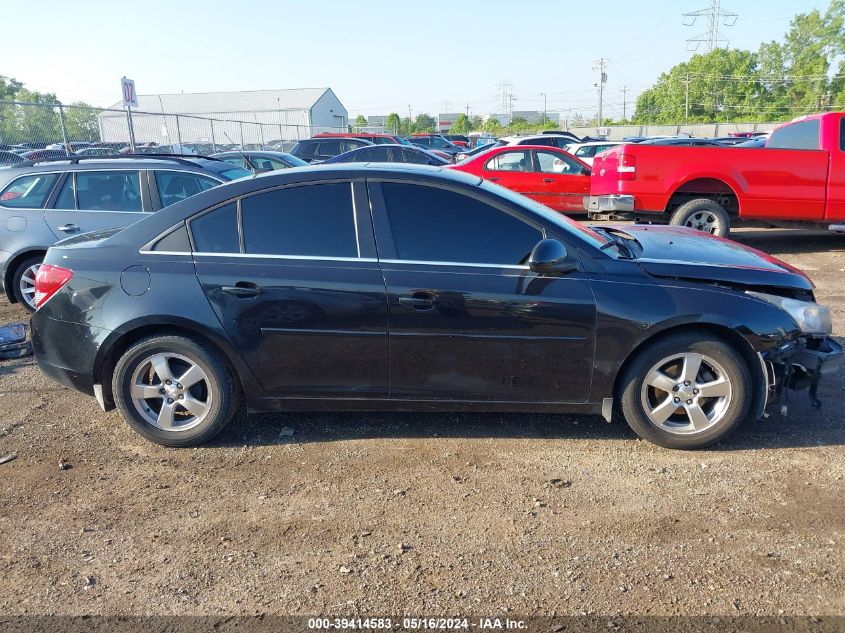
pixel 811 318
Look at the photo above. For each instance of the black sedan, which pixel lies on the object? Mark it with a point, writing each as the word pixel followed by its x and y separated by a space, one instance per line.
pixel 261 161
pixel 360 287
pixel 390 154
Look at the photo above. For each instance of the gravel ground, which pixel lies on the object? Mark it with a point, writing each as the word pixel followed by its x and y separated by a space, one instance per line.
pixel 425 514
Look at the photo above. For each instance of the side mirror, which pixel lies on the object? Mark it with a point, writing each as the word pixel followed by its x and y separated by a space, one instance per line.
pixel 550 256
pixel 586 171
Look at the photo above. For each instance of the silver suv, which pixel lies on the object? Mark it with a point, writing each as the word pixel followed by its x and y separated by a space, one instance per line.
pixel 42 202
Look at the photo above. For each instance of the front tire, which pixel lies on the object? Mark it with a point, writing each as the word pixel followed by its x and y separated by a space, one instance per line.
pixel 174 390
pixel 23 281
pixel 703 214
pixel 687 390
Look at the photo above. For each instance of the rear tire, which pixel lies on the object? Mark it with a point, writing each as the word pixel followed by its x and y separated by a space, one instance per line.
pixel 149 392
pixel 703 214
pixel 687 390
pixel 23 281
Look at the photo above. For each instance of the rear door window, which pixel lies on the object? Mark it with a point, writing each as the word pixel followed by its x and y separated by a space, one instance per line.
pixel 509 161
pixel 108 191
pixel 217 231
pixel 28 191
pixel 174 186
pixel 304 221
pixel 801 135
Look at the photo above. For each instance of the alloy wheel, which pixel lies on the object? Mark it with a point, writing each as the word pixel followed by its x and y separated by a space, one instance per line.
pixel 686 393
pixel 27 284
pixel 171 392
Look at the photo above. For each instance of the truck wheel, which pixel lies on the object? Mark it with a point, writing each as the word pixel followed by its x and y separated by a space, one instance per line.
pixel 703 214
pixel 688 390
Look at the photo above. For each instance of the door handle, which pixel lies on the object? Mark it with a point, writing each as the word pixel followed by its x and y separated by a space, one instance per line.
pixel 548 179
pixel 418 301
pixel 69 228
pixel 493 179
pixel 243 290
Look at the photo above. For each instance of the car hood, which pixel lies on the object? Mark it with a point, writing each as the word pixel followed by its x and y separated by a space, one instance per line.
pixel 684 253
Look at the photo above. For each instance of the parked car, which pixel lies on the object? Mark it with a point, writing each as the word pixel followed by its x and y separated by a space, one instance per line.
pixel 546 174
pixel 551 140
pixel 569 135
pixel 97 151
pixel 38 154
pixel 259 162
pixel 586 151
pixel 377 139
pixel 683 141
pixel 45 201
pixel 754 141
pixel 799 178
pixel 436 142
pixel 320 149
pixel 390 154
pixel 477 150
pixel 10 158
pixel 418 288
pixel 458 139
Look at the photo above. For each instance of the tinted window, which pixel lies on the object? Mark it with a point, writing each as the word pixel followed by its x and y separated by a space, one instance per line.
pixel 108 191
pixel 266 163
pixel 378 154
pixel 217 231
pixel 174 242
pixel 312 221
pixel 304 149
pixel 509 161
pixel 174 186
pixel 540 141
pixel 329 148
pixel 236 160
pixel 413 156
pixel 431 224
pixel 28 191
pixel 801 135
pixel 553 163
pixel 67 196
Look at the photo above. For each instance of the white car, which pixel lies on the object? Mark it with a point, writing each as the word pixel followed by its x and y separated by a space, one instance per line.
pixel 549 140
pixel 586 151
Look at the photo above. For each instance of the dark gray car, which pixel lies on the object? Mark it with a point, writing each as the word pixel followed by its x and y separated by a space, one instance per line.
pixel 42 202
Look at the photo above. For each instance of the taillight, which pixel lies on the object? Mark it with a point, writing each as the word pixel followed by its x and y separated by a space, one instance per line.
pixel 49 281
pixel 627 168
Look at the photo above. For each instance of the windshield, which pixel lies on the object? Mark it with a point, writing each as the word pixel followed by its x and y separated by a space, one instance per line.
pixel 567 224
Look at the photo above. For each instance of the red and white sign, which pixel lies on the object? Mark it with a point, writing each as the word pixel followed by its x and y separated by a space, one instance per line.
pixel 130 97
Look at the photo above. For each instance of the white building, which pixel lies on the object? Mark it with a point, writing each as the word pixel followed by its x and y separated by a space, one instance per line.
pixel 253 116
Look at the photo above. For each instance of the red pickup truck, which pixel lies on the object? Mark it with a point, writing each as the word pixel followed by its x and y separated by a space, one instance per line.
pixel 798 179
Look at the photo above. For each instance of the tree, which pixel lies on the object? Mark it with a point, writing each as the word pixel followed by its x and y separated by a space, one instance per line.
pixel 360 121
pixel 393 122
pixel 81 122
pixel 424 123
pixel 476 122
pixel 461 125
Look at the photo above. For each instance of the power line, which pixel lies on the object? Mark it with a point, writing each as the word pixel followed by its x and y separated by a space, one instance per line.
pixel 716 17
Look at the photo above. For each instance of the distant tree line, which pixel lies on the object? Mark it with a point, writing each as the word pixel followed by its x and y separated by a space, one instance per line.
pixel 803 73
pixel 21 124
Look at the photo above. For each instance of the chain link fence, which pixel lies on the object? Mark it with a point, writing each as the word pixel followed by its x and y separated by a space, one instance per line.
pixel 73 129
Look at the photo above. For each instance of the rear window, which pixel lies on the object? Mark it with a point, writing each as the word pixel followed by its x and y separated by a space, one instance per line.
pixel 28 191
pixel 801 135
pixel 174 186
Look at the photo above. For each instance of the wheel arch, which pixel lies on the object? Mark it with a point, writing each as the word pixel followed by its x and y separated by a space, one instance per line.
pixel 118 342
pixel 728 332
pixel 718 188
pixel 12 266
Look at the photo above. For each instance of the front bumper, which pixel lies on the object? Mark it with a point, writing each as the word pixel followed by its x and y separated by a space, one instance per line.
pixel 803 366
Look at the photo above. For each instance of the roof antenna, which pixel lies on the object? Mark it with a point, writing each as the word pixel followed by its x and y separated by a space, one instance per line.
pixel 238 150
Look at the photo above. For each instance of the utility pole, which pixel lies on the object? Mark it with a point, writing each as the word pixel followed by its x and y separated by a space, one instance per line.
pixel 716 17
pixel 686 98
pixel 467 110
pixel 543 94
pixel 600 65
pixel 409 119
pixel 624 92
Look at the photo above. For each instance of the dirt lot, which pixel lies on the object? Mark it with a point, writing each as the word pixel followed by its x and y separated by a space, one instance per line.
pixel 425 514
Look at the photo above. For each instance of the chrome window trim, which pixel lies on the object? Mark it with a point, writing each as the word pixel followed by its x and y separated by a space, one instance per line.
pixel 149 252
pixel 466 264
pixel 308 258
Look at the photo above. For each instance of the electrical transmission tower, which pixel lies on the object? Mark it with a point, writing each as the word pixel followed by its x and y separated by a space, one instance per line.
pixel 716 18
pixel 505 88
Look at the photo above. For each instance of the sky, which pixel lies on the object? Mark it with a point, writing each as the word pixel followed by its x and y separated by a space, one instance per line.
pixel 379 56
